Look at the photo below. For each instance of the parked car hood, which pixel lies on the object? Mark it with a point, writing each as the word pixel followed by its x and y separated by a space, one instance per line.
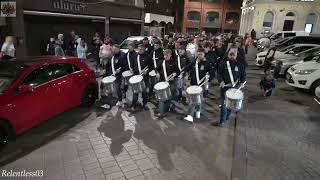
pixel 308 65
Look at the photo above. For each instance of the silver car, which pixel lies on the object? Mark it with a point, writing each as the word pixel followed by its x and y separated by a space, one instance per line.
pixel 286 63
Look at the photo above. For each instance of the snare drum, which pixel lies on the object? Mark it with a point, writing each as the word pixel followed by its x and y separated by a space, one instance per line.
pixel 108 84
pixel 137 83
pixel 194 94
pixel 153 77
pixel 126 76
pixel 162 90
pixel 234 99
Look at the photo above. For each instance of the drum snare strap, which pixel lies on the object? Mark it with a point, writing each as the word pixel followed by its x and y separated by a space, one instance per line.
pixel 197 72
pixel 230 73
pixel 139 66
pixel 154 59
pixel 112 65
pixel 128 59
pixel 179 62
pixel 164 70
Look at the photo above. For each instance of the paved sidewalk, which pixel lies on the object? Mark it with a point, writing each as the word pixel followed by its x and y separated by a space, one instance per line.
pixel 118 145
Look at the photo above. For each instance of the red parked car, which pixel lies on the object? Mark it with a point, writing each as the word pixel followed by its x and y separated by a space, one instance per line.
pixel 34 89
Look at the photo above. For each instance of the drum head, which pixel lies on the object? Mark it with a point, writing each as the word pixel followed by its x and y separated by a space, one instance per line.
pixel 108 79
pixel 135 79
pixel 127 73
pixel 194 90
pixel 152 73
pixel 161 85
pixel 234 93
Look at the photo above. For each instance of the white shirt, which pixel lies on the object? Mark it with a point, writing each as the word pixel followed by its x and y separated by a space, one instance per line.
pixel 8 49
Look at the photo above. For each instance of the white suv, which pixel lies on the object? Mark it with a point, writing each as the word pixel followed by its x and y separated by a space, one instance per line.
pixel 305 75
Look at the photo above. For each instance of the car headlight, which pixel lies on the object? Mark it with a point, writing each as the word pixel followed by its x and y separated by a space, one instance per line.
pixel 305 71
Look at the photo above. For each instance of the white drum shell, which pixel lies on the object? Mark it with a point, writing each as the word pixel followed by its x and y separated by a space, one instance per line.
pixel 152 77
pixel 234 99
pixel 162 90
pixel 126 76
pixel 194 94
pixel 137 84
pixel 108 84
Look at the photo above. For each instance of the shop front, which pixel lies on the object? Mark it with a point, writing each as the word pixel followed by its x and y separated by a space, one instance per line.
pixel 41 19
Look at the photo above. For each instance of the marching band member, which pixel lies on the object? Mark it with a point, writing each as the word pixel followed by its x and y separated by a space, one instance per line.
pixel 167 67
pixel 115 68
pixel 147 45
pixel 199 69
pixel 157 56
pixel 143 61
pixel 230 73
pixel 131 55
pixel 183 61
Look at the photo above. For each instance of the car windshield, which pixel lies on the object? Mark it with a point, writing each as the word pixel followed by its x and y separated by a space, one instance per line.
pixel 308 52
pixel 9 72
pixel 286 48
pixel 124 44
pixel 282 40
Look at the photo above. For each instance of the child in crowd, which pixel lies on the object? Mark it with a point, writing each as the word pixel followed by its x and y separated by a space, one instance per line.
pixel 267 83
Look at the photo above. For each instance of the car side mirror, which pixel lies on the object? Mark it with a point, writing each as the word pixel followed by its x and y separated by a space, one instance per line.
pixel 25 88
pixel 315 58
pixel 291 52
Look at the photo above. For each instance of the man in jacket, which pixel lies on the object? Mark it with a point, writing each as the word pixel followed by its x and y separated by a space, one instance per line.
pixel 200 73
pixel 167 70
pixel 183 61
pixel 115 67
pixel 143 61
pixel 131 56
pixel 157 56
pixel 230 73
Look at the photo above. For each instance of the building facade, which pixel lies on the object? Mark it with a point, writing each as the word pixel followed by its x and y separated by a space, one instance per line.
pixel 162 16
pixel 280 15
pixel 38 20
pixel 212 16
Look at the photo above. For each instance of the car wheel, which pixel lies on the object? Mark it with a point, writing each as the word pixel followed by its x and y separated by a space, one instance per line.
pixel 314 86
pixel 89 97
pixel 5 134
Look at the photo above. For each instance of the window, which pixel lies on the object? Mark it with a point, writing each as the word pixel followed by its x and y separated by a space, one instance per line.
pixel 289 34
pixel 212 17
pixel 268 19
pixel 48 73
pixel 213 1
pixel 193 16
pixel 195 0
pixel 299 49
pixel 290 14
pixel 232 18
pixel 38 76
pixel 311 22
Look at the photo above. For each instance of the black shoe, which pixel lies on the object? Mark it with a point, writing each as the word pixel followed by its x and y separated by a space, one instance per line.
pixel 172 107
pixel 216 124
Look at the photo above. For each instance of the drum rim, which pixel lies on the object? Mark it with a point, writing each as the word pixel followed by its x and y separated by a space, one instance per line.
pixel 129 73
pixel 135 77
pixel 162 82
pixel 194 93
pixel 234 89
pixel 108 78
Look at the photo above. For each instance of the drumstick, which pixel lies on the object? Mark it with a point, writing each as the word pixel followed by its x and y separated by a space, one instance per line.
pixel 240 87
pixel 116 70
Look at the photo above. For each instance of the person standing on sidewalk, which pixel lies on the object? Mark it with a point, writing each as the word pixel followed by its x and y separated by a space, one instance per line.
pixel 230 73
pixel 82 49
pixel 105 53
pixel 8 50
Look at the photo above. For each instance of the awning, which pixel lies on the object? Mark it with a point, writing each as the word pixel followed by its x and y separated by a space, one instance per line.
pixel 149 17
pixel 42 13
pixel 126 19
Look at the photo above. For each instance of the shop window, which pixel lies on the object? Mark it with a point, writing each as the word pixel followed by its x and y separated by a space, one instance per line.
pixel 232 18
pixel 213 1
pixel 193 16
pixel 212 17
pixel 268 19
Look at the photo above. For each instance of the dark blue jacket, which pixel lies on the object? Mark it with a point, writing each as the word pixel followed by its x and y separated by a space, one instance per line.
pixel 238 71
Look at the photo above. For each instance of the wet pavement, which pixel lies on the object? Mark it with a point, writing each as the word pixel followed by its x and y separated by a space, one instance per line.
pixel 279 137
